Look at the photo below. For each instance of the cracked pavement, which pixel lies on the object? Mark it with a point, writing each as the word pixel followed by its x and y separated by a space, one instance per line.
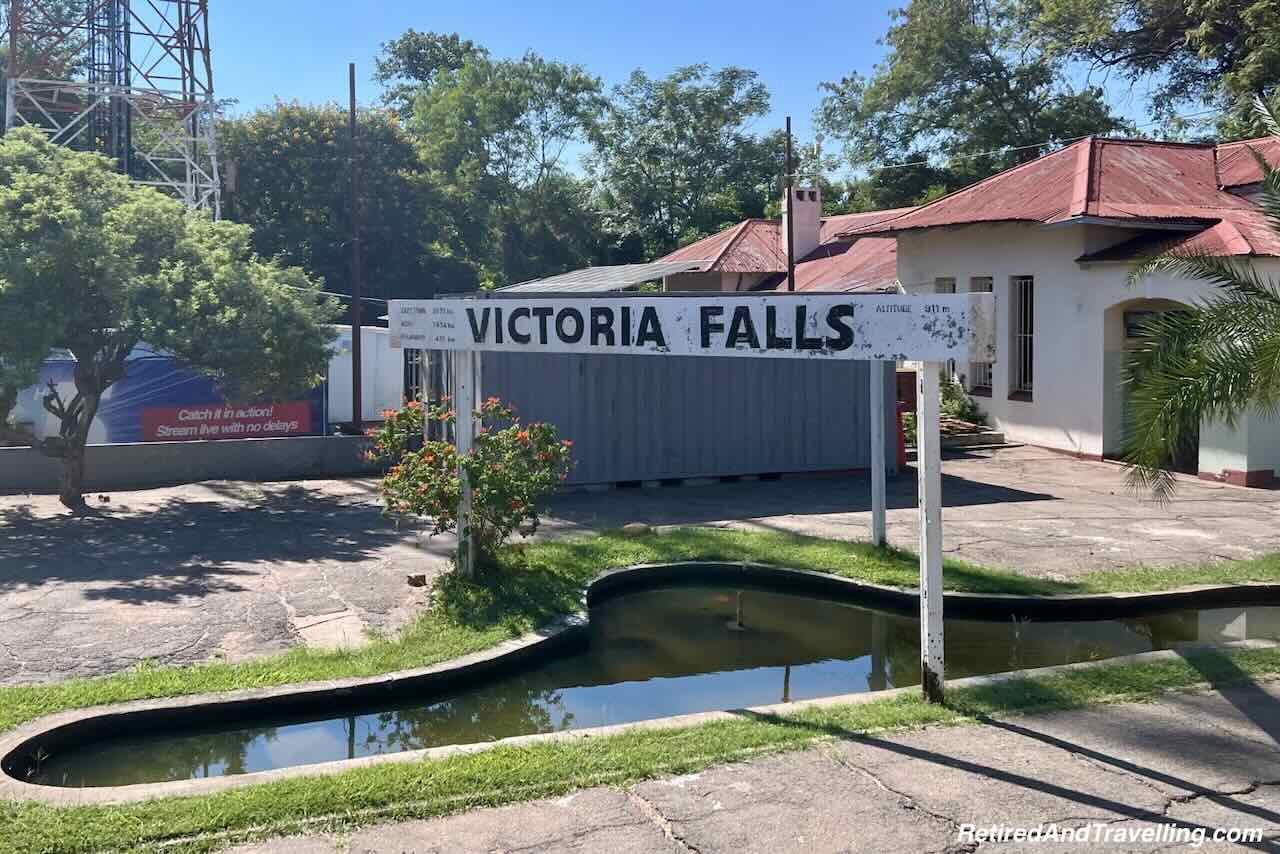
pixel 234 569
pixel 1202 760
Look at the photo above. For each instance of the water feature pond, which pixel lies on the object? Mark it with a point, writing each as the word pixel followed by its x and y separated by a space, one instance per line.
pixel 648 654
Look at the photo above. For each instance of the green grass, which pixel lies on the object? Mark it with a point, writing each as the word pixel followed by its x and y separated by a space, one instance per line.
pixel 545 580
pixel 585 556
pixel 513 773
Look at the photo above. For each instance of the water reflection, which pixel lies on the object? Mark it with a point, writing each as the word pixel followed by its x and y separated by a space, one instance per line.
pixel 652 654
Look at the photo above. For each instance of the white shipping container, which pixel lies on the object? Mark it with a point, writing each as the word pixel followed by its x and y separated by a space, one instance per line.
pixel 382 375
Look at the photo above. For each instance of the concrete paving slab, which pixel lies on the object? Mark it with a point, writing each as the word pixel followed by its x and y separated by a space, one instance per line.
pixel 588 822
pixel 1177 748
pixel 292 845
pixel 804 802
pixel 1000 777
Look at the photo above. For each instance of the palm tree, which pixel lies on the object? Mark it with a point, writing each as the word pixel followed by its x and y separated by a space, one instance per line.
pixel 1214 361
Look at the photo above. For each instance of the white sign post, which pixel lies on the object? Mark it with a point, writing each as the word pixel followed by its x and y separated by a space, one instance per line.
pixel 464 404
pixel 929 475
pixel 877 454
pixel 874 328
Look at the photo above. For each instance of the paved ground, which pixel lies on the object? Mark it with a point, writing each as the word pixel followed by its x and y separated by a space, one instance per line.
pixel 184 574
pixel 1024 509
pixel 1189 763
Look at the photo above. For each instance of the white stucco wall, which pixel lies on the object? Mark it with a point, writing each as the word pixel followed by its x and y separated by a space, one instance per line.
pixel 1070 409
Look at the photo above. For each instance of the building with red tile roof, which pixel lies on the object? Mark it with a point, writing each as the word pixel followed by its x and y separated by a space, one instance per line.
pixel 1055 240
pixel 752 255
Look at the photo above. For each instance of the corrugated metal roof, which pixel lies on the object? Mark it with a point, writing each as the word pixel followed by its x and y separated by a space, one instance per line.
pixel 755 246
pixel 1236 165
pixel 869 265
pixel 1239 233
pixel 751 246
pixel 1133 180
pixel 834 226
pixel 614 278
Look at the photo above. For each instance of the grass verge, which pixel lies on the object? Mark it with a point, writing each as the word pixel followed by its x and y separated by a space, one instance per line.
pixel 542 581
pixel 515 773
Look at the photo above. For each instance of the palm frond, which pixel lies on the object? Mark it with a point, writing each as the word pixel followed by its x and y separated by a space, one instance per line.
pixel 1210 363
pixel 1233 276
pixel 1268 112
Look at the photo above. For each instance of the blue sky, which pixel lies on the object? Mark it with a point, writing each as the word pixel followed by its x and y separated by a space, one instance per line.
pixel 299 49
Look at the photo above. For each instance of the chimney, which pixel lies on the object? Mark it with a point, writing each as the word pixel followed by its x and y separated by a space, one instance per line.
pixel 807 203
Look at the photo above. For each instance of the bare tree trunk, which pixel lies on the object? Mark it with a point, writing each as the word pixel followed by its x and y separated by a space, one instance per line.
pixel 71 484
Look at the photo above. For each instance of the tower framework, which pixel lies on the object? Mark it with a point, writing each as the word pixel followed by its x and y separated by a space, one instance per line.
pixel 131 79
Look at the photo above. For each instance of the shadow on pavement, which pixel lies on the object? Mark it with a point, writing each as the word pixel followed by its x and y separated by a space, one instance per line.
pixel 187 547
pixel 677 505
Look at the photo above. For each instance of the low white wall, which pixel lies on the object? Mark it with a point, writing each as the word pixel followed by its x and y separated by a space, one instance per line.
pixel 145 464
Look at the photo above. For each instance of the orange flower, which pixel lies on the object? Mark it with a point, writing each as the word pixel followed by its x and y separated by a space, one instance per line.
pixel 523 435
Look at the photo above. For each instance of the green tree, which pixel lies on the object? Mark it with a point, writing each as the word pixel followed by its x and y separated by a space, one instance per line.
pixel 94 264
pixel 495 136
pixel 1198 52
pixel 292 185
pixel 674 157
pixel 961 80
pixel 415 60
pixel 1214 361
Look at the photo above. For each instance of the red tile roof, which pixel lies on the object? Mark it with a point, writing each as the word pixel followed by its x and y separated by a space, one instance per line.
pixel 1135 180
pixel 755 246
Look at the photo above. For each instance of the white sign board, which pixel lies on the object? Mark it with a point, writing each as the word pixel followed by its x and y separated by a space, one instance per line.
pixel 883 327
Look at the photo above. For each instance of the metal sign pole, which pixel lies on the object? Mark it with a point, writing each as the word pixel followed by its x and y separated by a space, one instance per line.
pixel 929 471
pixel 877 452
pixel 464 403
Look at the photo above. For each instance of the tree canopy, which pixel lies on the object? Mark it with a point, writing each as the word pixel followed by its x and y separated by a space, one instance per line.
pixel 1219 53
pixel 95 264
pixel 963 89
pixel 292 185
pixel 674 159
pixel 494 136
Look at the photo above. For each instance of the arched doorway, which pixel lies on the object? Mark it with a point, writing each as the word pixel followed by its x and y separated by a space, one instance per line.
pixel 1120 329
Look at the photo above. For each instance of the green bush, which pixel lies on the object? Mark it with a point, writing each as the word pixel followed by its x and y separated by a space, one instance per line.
pixel 511 467
pixel 956 402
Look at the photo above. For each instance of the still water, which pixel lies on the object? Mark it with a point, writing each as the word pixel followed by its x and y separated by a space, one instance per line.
pixel 661 652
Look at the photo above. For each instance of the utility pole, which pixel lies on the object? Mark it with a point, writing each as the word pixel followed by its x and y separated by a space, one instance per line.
pixel 790 213
pixel 357 399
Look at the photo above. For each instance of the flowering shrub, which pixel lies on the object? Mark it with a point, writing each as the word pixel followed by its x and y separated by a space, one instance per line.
pixel 511 467
pixel 401 430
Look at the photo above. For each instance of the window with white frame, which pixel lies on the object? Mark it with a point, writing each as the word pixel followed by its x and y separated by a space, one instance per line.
pixel 1022 329
pixel 980 372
